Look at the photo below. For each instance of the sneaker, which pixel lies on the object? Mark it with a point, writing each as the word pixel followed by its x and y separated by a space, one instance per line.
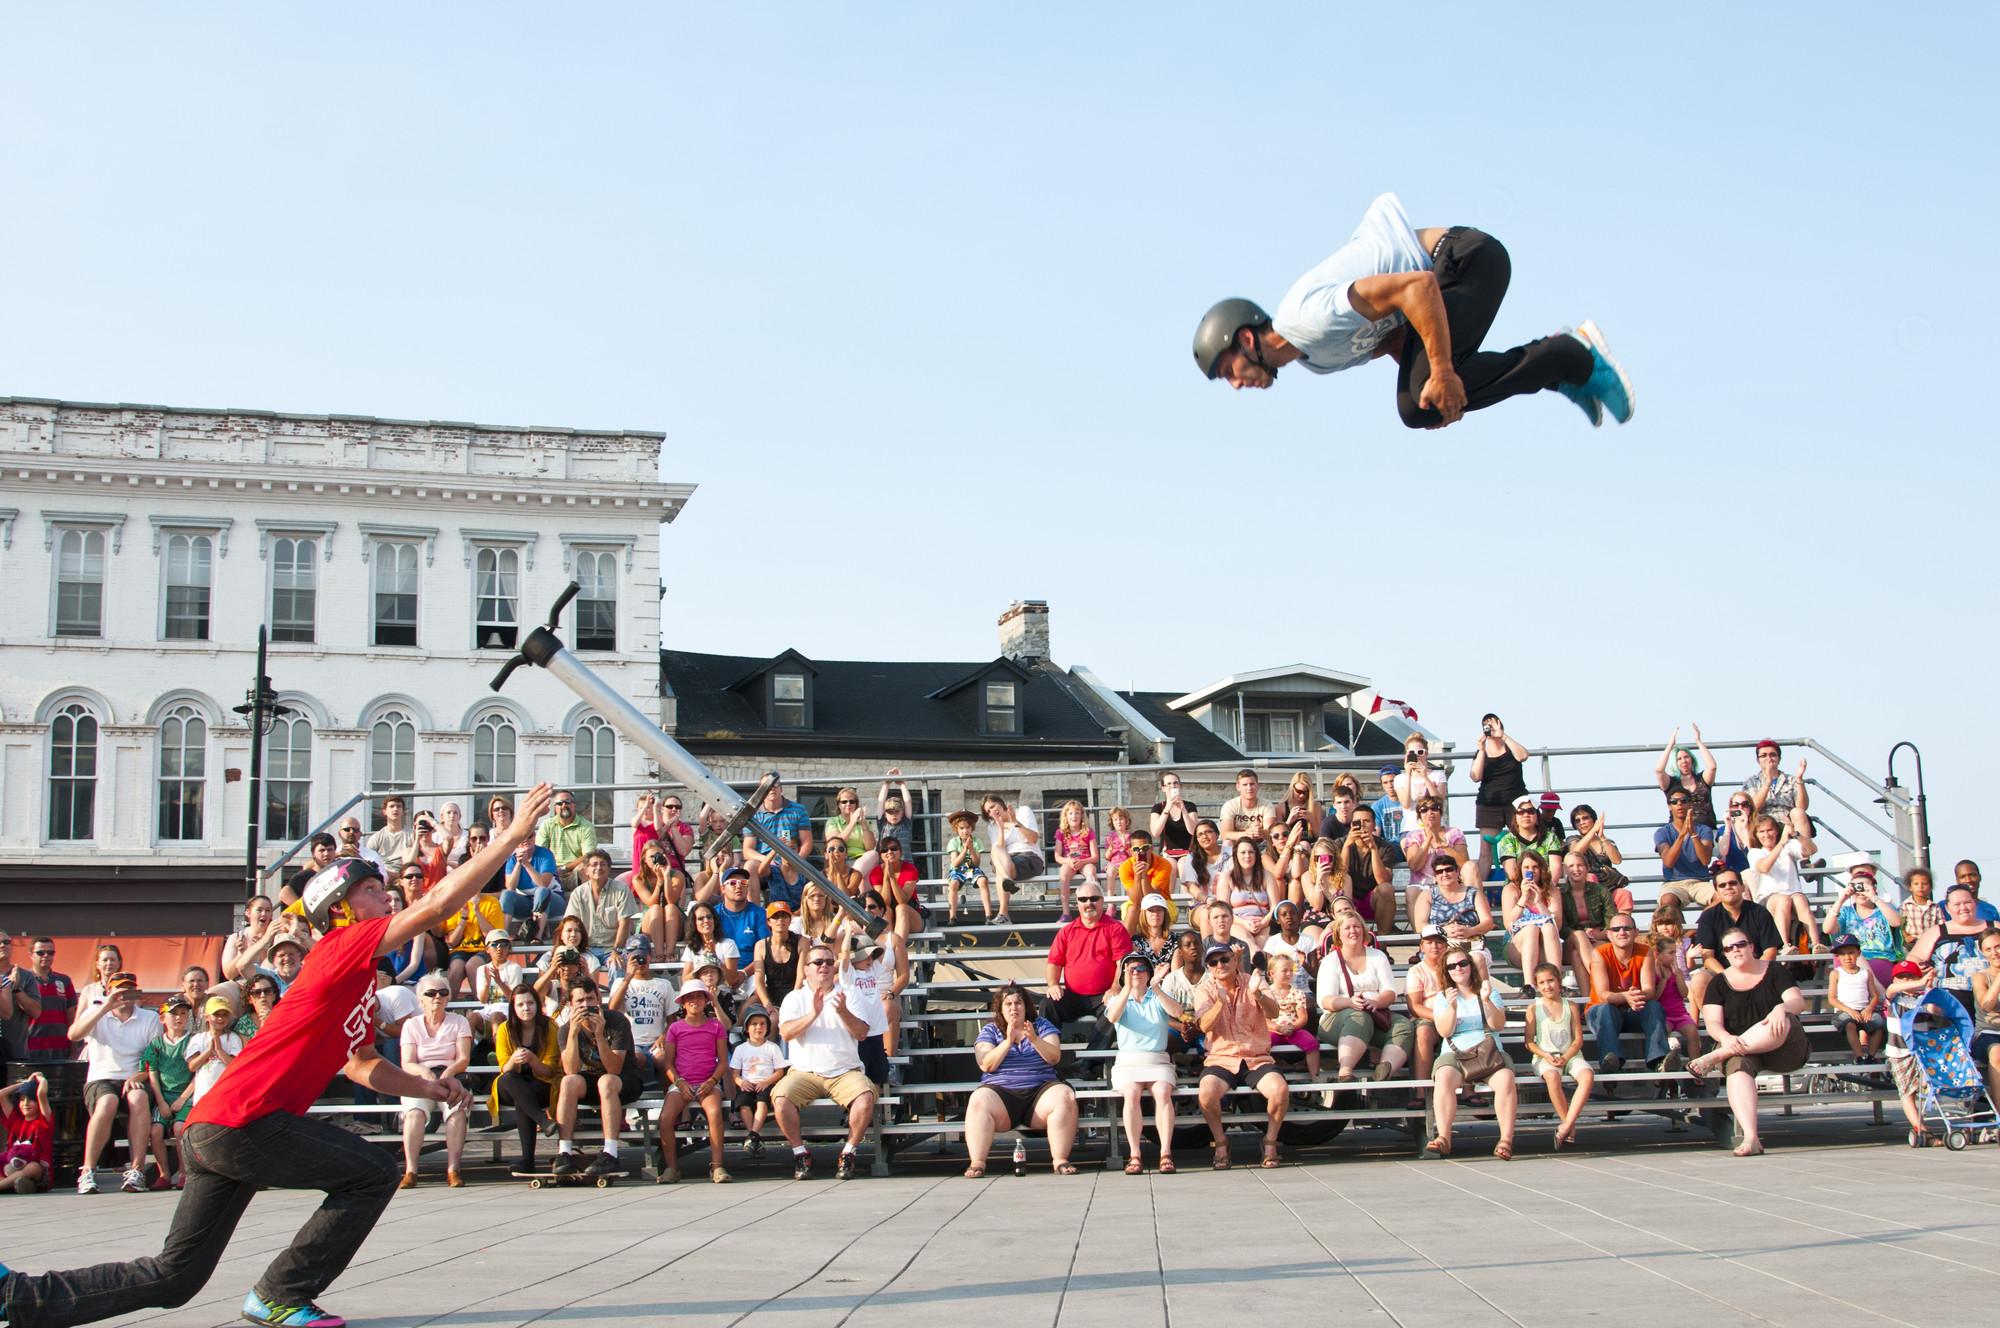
pixel 258 1310
pixel 756 1146
pixel 1569 983
pixel 565 1165
pixel 1578 393
pixel 1611 1064
pixel 602 1165
pixel 1671 1062
pixel 844 1169
pixel 1607 381
pixel 86 1181
pixel 133 1182
pixel 802 1166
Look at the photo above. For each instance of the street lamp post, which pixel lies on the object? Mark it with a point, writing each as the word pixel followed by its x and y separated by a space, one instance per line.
pixel 261 710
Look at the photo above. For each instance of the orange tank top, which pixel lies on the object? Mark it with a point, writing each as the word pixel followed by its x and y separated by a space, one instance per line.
pixel 1625 975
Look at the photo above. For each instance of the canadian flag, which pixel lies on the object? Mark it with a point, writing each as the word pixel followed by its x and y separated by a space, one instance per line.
pixel 1390 703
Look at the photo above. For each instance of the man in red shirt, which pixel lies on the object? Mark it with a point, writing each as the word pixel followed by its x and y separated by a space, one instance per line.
pixel 1083 962
pixel 251 1129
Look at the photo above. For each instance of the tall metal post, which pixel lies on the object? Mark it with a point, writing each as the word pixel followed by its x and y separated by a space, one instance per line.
pixel 1919 825
pixel 261 709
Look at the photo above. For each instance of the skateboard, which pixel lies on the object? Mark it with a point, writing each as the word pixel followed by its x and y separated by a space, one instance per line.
pixel 538 1180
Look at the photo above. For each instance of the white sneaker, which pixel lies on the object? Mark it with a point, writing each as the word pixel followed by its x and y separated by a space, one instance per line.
pixel 133 1182
pixel 86 1181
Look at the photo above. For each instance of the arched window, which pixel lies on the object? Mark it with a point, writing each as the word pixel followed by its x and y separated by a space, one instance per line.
pixel 288 780
pixel 190 570
pixel 594 760
pixel 73 773
pixel 493 739
pixel 183 774
pixel 392 756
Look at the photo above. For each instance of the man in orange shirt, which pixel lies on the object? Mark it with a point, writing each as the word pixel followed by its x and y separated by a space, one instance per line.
pixel 1145 873
pixel 1624 994
pixel 1235 1015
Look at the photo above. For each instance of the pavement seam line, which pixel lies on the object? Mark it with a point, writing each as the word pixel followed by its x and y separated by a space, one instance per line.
pixel 907 1264
pixel 830 1259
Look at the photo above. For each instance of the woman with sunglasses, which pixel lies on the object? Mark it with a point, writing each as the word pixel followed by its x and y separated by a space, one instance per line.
pixel 1751 1010
pixel 257 916
pixel 436 1045
pixel 1419 778
pixel 1467 1023
pixel 1317 890
pixel 850 825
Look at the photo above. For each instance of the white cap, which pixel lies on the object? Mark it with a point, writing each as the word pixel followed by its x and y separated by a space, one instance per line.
pixel 692 987
pixel 1154 900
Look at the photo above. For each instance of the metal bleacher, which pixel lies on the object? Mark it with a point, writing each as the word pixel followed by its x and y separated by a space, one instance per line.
pixel 955 970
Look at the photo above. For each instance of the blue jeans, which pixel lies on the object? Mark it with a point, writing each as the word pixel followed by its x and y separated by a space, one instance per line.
pixel 226 1166
pixel 522 905
pixel 1607 1022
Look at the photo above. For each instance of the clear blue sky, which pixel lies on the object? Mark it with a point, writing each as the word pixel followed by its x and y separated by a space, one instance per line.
pixel 910 290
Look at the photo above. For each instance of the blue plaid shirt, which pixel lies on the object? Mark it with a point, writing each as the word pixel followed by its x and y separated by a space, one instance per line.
pixel 787 823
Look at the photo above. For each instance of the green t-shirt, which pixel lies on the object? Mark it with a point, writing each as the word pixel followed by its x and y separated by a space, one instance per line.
pixel 167 1057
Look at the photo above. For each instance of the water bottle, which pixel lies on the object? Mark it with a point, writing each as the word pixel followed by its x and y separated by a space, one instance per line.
pixel 1020 1157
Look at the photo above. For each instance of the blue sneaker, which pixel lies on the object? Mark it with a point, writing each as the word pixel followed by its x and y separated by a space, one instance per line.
pixel 1579 393
pixel 258 1310
pixel 1607 382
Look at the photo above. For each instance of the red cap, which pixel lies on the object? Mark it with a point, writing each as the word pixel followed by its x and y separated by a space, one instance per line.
pixel 1906 968
pixel 1772 743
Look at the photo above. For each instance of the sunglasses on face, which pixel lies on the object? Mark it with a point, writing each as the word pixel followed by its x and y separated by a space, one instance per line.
pixel 1677 802
pixel 432 995
pixel 1089 899
pixel 819 963
pixel 847 802
pixel 1621 929
pixel 257 993
pixel 1457 964
pixel 1218 961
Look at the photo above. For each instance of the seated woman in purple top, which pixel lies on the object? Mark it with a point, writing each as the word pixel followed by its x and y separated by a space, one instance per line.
pixel 1019 1089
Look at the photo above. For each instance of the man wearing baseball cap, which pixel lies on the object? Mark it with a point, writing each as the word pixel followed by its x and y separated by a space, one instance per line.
pixel 251 1130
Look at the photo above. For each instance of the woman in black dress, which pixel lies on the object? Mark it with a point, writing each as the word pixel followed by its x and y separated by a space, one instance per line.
pixel 1752 1011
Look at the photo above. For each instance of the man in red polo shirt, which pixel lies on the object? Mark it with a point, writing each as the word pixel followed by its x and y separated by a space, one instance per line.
pixel 1083 961
pixel 251 1129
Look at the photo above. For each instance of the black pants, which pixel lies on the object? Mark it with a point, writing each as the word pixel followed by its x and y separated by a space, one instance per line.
pixel 1473 271
pixel 1075 1007
pixel 530 1099
pixel 226 1166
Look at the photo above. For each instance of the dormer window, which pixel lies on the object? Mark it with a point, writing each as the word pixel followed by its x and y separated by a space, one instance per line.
pixel 1000 707
pixel 791 701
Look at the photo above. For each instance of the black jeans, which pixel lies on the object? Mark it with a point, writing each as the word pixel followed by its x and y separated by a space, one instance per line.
pixel 1473 271
pixel 530 1098
pixel 226 1166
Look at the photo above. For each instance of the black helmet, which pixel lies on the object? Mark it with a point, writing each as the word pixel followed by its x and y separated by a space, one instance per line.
pixel 330 887
pixel 1217 330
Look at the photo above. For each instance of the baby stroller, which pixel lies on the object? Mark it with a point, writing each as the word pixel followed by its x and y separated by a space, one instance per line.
pixel 1938 1032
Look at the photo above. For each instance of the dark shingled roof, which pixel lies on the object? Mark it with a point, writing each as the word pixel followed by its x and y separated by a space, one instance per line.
pixel 878 705
pixel 1192 742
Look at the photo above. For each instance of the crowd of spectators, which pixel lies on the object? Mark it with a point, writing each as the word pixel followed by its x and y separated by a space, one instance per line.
pixel 722 981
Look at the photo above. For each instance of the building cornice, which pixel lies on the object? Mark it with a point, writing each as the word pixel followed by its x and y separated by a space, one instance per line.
pixel 468 494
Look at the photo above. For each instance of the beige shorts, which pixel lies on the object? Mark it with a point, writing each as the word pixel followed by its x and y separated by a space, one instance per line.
pixel 802 1088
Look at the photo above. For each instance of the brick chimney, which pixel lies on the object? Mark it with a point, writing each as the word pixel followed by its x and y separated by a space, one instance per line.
pixel 1024 631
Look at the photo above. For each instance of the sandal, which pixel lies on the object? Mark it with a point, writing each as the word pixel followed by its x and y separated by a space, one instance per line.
pixel 1221 1162
pixel 1133 1166
pixel 975 1171
pixel 1440 1145
pixel 1270 1157
pixel 1064 1169
pixel 1504 1150
pixel 1167 1167
pixel 1746 1150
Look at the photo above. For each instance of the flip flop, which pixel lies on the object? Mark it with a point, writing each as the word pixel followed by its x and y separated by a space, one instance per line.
pixel 1064 1169
pixel 1133 1166
pixel 1221 1162
pixel 1504 1150
pixel 975 1171
pixel 1440 1145
pixel 1270 1161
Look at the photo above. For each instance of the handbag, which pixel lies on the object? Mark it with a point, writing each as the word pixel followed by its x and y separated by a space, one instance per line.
pixel 1483 1061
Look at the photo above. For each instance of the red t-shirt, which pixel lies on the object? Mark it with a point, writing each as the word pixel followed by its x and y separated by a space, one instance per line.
pixel 33 1138
pixel 906 876
pixel 326 1015
pixel 1088 956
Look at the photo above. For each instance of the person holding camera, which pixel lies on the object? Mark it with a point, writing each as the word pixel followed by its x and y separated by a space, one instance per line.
pixel 116 1031
pixel 596 1054
pixel 1870 919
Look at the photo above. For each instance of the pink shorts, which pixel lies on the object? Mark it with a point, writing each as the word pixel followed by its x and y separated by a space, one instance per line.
pixel 1298 1037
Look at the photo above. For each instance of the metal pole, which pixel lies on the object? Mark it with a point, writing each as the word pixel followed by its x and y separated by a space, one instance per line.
pixel 259 688
pixel 1921 826
pixel 545 649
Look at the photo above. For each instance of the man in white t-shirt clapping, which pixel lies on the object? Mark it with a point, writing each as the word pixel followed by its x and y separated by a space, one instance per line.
pixel 823 1043
pixel 1425 296
pixel 1016 837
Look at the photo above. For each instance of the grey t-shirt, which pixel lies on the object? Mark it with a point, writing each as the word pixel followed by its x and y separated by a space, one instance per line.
pixel 1317 315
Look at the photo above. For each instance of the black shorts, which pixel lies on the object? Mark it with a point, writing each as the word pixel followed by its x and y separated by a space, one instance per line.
pixel 1019 1103
pixel 874 1059
pixel 627 1086
pixel 753 1097
pixel 1243 1076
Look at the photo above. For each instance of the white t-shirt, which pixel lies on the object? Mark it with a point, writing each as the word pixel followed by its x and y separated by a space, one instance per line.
pixel 1017 842
pixel 116 1046
pixel 1317 314
pixel 757 1061
pixel 211 1070
pixel 825 1048
pixel 486 980
pixel 395 1003
pixel 866 988
pixel 647 1001
pixel 1786 876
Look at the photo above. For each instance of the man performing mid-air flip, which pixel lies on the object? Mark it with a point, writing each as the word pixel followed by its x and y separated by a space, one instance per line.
pixel 1444 285
pixel 252 1130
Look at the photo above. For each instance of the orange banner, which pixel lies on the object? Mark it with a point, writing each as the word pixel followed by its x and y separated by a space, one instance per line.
pixel 158 961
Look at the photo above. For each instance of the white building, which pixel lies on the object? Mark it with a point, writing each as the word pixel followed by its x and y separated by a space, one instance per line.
pixel 394 563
